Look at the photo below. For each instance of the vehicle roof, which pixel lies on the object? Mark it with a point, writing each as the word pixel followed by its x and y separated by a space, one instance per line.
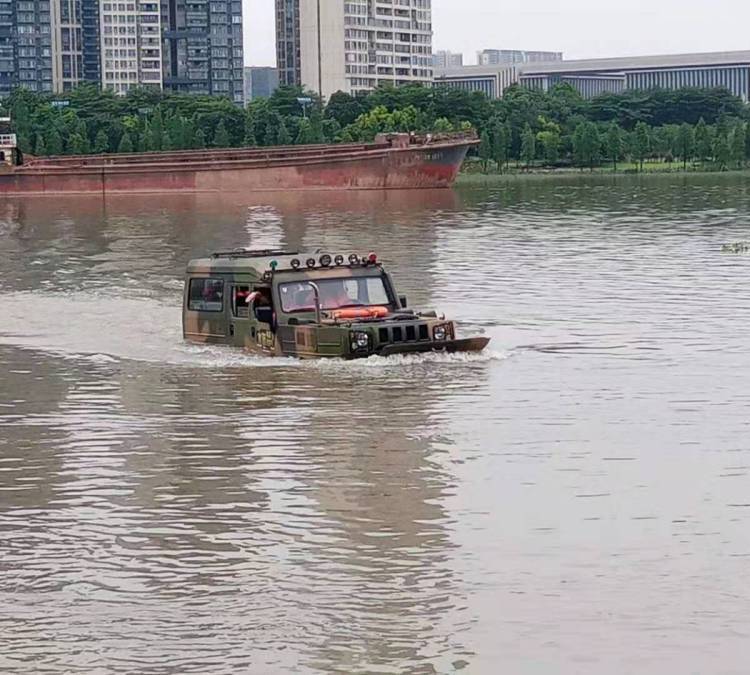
pixel 256 263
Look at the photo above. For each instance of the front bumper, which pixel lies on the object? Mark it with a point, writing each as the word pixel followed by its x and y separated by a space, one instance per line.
pixel 476 344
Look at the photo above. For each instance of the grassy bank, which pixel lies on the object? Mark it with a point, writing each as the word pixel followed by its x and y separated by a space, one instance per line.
pixel 472 176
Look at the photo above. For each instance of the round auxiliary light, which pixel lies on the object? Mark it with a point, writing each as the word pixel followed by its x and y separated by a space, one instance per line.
pixel 353 259
pixel 325 260
pixel 439 333
pixel 339 260
pixel 361 340
pixel 310 262
pixel 295 263
pixel 372 259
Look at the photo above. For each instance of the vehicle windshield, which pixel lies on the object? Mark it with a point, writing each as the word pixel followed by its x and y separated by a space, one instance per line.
pixel 299 296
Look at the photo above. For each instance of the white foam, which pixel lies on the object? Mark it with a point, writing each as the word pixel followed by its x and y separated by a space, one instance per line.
pixel 105 329
pixel 411 360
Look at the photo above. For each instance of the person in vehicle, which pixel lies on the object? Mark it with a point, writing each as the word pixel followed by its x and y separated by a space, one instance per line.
pixel 335 296
pixel 260 299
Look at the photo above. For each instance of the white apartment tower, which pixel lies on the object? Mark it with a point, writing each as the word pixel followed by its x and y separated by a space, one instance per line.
pixel 357 45
pixel 131 43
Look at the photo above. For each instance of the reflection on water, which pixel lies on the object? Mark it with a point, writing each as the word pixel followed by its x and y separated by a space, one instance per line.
pixel 574 500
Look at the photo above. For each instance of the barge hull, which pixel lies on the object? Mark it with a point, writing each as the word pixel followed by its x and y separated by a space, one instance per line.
pixel 376 168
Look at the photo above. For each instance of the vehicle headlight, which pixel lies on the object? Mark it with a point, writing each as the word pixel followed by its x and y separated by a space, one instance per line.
pixel 439 333
pixel 360 340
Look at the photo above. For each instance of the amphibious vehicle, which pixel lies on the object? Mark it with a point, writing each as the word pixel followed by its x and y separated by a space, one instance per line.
pixel 308 305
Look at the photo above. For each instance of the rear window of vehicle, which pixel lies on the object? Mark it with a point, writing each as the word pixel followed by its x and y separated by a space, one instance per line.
pixel 206 295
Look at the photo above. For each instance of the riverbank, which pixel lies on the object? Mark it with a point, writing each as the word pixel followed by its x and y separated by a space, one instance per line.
pixel 477 178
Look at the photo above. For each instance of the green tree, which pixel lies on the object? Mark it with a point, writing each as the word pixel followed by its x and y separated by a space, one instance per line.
pixel 501 145
pixel 586 145
pixel 78 145
pixel 703 143
pixel 738 142
pixel 614 143
pixel 188 133
pixel 330 131
pixel 199 140
pixel 101 142
pixel 40 149
pixel 249 140
pixel 442 125
pixel 641 143
pixel 316 124
pixel 662 142
pixel 283 136
pixel 126 144
pixel 485 150
pixel 157 130
pixel 175 126
pixel 344 108
pixel 528 146
pixel 221 136
pixel 721 149
pixel 549 138
pixel 54 142
pixel 305 135
pixel 685 144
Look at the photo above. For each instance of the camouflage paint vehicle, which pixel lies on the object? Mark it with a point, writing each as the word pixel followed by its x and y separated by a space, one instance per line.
pixel 308 305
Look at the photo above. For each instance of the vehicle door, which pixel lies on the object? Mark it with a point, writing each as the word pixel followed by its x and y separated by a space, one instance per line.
pixel 262 331
pixel 205 310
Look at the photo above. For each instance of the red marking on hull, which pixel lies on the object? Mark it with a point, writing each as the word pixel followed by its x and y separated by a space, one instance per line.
pixel 374 167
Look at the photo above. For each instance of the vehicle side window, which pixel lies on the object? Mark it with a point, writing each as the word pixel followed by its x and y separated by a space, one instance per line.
pixel 239 301
pixel 206 295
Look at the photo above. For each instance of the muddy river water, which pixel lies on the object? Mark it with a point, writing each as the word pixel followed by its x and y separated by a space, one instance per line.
pixel 574 500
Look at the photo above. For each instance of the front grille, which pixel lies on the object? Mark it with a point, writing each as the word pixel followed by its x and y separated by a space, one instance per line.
pixel 410 333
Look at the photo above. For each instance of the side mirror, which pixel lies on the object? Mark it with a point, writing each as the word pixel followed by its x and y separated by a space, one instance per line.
pixel 402 300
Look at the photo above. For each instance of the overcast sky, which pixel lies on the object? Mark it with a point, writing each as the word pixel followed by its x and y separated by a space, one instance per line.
pixel 579 28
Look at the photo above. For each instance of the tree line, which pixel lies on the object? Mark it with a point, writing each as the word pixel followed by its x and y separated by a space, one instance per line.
pixel 559 128
pixel 531 127
pixel 721 146
pixel 88 120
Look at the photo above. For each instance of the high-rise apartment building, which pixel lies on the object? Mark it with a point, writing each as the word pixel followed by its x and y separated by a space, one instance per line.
pixel 130 35
pixel 260 82
pixel 67 43
pixel 445 59
pixel 7 48
pixel 31 31
pixel 192 46
pixel 288 42
pixel 91 41
pixel 203 47
pixel 354 45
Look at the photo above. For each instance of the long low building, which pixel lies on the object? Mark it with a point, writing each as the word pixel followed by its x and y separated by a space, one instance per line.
pixel 592 77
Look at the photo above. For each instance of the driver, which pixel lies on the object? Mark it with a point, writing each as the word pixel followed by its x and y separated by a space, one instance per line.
pixel 336 296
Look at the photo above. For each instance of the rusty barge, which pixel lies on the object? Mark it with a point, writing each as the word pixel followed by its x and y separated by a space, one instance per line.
pixel 392 161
